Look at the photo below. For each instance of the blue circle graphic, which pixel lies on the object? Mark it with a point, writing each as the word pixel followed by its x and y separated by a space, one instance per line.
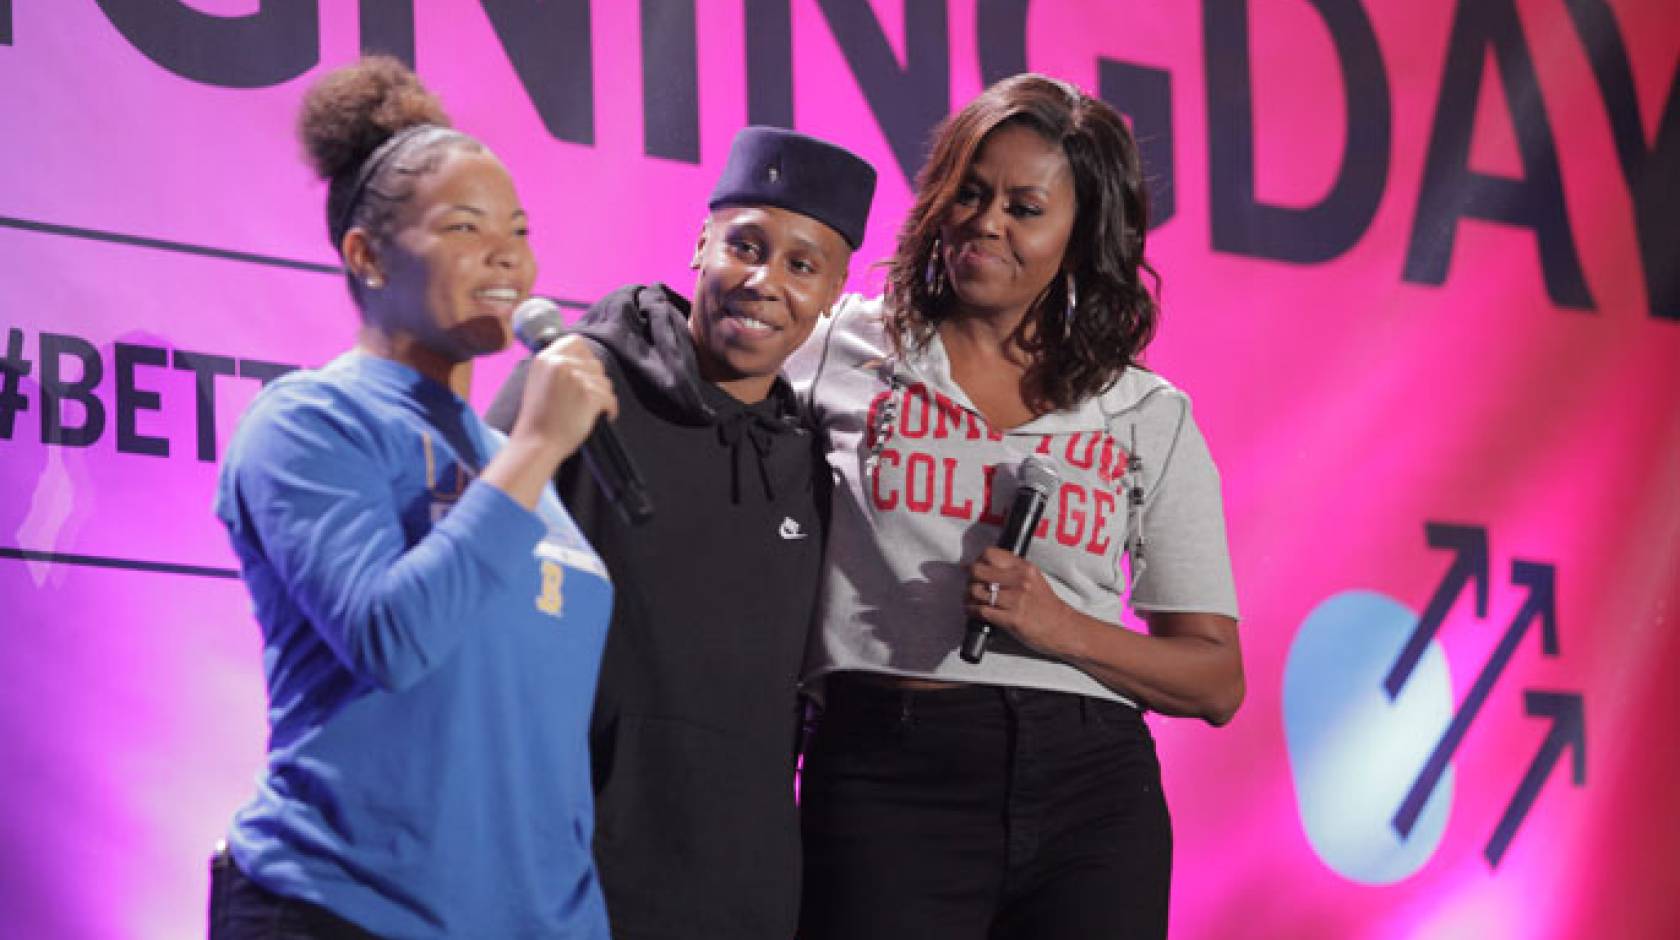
pixel 1353 752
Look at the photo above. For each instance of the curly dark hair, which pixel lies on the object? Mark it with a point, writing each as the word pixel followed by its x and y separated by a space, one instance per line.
pixel 348 115
pixel 1117 311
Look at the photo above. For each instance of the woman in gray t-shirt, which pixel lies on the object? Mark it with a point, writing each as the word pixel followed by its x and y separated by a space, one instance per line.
pixel 1018 796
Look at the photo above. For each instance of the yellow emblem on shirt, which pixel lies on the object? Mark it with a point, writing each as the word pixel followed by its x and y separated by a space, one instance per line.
pixel 550 600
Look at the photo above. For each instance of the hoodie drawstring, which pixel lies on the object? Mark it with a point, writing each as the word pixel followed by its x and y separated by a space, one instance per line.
pixel 760 431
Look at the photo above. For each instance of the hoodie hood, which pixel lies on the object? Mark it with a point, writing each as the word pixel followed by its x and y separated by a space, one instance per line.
pixel 645 327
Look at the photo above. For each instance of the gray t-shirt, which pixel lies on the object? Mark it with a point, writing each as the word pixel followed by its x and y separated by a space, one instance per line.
pixel 923 484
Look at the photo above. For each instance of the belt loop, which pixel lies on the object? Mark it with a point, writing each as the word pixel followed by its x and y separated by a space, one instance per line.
pixel 906 700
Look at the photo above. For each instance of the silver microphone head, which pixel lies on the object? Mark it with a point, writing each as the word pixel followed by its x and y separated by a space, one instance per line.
pixel 538 322
pixel 1039 473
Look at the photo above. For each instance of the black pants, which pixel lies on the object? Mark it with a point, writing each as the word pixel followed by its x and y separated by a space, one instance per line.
pixel 981 812
pixel 241 909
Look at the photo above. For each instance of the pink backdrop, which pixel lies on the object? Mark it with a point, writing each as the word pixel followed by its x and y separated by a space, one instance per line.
pixel 1422 279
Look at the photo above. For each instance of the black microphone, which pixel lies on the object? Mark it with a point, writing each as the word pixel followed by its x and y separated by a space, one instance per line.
pixel 1035 483
pixel 537 323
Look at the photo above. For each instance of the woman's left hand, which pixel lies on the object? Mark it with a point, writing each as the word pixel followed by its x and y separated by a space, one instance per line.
pixel 1022 602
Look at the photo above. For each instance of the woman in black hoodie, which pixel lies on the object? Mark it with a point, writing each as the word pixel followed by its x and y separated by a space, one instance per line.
pixel 693 734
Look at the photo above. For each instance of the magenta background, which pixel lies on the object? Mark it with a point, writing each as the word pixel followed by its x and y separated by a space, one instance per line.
pixel 1345 406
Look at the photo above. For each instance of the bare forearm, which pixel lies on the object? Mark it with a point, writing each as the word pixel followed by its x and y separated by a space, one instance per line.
pixel 1186 675
pixel 1187 664
pixel 522 469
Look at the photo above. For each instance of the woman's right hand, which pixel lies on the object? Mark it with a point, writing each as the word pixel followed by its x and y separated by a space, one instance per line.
pixel 566 391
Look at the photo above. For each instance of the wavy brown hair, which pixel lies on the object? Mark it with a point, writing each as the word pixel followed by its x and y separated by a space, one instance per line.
pixel 1116 310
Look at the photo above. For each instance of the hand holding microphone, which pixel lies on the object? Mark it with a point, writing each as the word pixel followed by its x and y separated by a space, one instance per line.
pixel 1002 574
pixel 564 392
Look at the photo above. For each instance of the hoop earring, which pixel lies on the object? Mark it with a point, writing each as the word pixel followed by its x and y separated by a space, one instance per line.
pixel 1071 308
pixel 933 275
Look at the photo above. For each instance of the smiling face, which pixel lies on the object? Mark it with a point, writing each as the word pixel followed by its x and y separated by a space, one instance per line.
pixel 1005 233
pixel 454 267
pixel 765 276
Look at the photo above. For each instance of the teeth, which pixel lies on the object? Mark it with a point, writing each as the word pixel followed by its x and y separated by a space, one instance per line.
pixel 752 323
pixel 499 293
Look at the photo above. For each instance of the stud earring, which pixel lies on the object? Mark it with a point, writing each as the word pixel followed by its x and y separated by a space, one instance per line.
pixel 374 282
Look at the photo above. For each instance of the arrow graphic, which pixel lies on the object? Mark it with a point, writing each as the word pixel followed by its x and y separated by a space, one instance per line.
pixel 1540 605
pixel 1470 543
pixel 1569 730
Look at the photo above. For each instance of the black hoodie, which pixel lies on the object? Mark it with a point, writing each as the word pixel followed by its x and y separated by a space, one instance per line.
pixel 693 733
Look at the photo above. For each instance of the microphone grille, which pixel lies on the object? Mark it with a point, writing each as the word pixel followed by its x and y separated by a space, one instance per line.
pixel 537 322
pixel 1039 473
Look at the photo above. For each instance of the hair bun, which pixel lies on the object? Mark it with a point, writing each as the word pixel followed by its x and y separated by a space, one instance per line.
pixel 352 110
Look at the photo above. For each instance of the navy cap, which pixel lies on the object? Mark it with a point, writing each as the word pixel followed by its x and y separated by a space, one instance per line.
pixel 769 166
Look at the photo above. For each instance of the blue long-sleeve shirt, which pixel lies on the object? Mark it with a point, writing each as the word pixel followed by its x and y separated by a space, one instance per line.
pixel 431 650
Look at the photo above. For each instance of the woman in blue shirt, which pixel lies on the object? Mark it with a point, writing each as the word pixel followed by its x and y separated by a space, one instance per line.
pixel 432 620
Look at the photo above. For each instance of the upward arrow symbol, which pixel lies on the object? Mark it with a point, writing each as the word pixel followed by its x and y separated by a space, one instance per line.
pixel 1539 605
pixel 1569 730
pixel 1470 563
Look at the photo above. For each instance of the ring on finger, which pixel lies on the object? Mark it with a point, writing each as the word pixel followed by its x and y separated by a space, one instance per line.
pixel 991 594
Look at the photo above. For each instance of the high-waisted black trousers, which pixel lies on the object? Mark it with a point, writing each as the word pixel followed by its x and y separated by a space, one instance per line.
pixel 981 813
